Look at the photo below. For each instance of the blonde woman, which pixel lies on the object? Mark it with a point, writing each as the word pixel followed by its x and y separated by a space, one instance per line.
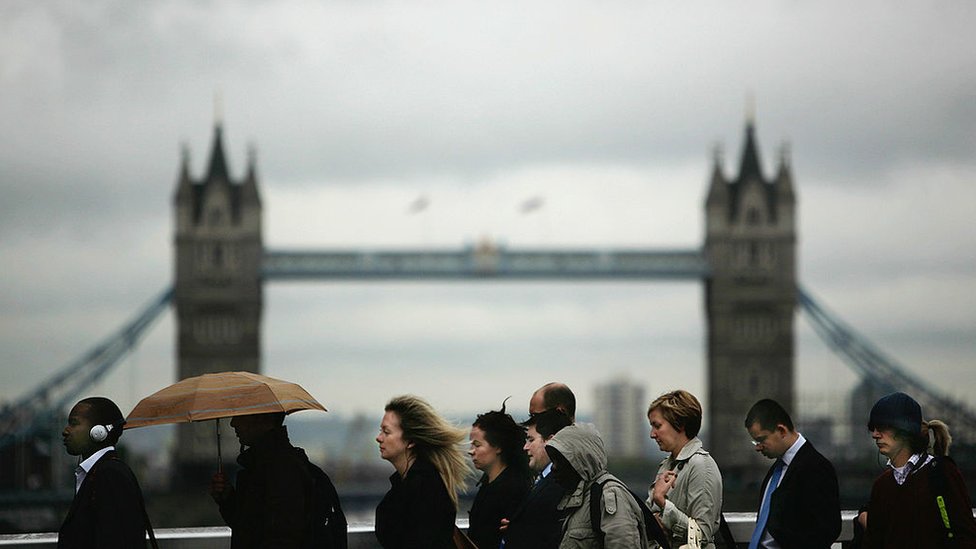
pixel 688 484
pixel 420 509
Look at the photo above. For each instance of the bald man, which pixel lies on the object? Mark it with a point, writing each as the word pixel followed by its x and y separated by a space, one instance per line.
pixel 553 396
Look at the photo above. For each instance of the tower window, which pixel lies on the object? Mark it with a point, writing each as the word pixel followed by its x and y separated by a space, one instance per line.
pixel 218 255
pixel 752 216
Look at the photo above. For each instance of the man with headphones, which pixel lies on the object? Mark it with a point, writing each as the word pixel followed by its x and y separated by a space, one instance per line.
pixel 108 510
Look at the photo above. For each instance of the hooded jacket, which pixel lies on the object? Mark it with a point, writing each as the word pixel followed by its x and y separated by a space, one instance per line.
pixel 622 520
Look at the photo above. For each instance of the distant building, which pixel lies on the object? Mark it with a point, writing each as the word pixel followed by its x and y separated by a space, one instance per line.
pixel 621 417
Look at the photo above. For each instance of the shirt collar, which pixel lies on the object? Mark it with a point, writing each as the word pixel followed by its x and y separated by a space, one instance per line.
pixel 545 472
pixel 901 473
pixel 93 459
pixel 791 453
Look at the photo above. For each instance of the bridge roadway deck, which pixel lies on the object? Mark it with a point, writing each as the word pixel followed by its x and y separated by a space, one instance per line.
pixel 360 535
pixel 485 262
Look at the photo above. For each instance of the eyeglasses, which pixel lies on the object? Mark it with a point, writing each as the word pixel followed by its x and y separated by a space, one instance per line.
pixel 759 440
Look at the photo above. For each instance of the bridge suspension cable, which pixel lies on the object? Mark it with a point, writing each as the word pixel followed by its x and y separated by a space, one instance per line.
pixel 870 362
pixel 32 413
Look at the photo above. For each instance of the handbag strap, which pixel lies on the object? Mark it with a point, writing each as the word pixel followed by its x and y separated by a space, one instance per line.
pixel 723 528
pixel 145 514
pixel 723 525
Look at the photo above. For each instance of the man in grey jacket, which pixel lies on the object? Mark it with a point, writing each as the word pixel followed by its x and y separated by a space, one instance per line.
pixel 580 461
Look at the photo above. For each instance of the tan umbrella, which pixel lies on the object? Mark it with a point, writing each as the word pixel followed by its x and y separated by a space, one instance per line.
pixel 220 395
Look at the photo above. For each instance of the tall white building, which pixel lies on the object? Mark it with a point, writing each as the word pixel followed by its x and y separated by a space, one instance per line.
pixel 621 417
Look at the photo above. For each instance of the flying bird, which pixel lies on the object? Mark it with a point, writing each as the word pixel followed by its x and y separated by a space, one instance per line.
pixel 419 204
pixel 532 204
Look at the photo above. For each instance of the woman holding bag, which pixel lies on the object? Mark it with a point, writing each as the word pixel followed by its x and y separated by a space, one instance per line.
pixel 688 485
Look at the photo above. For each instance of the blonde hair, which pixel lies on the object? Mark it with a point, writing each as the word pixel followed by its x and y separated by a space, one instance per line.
pixel 681 409
pixel 940 437
pixel 435 440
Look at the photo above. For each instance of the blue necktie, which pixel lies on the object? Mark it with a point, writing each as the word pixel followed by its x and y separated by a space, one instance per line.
pixel 757 534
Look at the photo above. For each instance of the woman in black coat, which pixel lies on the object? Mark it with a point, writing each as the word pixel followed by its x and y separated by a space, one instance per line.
pixel 419 510
pixel 496 451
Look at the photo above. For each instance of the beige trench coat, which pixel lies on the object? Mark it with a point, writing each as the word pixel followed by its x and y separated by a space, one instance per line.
pixel 697 493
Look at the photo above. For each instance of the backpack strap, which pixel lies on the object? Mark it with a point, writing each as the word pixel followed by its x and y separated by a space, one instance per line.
pixel 939 483
pixel 652 529
pixel 596 514
pixel 149 528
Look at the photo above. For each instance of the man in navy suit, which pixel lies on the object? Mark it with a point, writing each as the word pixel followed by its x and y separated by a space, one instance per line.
pixel 535 525
pixel 108 510
pixel 799 501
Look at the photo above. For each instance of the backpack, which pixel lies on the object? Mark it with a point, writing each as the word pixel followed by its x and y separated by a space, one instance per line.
pixel 327 523
pixel 651 527
pixel 939 484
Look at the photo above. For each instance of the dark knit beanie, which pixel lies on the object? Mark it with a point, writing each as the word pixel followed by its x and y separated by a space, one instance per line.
pixel 898 411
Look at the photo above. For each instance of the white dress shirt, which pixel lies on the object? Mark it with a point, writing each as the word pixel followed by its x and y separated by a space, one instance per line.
pixel 85 466
pixel 767 540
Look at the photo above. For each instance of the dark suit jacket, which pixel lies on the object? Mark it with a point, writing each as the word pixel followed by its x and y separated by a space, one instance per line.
pixel 107 512
pixel 535 525
pixel 804 511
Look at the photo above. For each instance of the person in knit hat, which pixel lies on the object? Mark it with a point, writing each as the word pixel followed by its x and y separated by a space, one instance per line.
pixel 921 500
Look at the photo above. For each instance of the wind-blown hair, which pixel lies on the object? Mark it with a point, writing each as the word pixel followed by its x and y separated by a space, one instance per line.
pixel 435 440
pixel 503 433
pixel 548 423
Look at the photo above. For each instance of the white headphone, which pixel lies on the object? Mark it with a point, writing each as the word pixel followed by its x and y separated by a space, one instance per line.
pixel 99 433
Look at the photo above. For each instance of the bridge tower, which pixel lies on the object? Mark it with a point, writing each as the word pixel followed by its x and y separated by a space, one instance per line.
pixel 218 292
pixel 750 296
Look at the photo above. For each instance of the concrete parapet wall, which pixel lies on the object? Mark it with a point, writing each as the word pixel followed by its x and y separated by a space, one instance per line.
pixel 360 535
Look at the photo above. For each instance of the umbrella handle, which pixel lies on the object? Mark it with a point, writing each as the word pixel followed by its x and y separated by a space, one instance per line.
pixel 220 462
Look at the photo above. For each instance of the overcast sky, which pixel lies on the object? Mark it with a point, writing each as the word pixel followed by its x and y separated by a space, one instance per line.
pixel 608 111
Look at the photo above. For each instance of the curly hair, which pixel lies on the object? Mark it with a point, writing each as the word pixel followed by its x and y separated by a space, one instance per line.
pixel 435 440
pixel 503 433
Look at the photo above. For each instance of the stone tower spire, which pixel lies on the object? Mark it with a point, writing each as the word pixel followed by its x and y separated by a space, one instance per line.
pixel 750 298
pixel 218 291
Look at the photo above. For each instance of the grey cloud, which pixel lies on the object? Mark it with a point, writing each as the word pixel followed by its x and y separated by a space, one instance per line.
pixel 98 97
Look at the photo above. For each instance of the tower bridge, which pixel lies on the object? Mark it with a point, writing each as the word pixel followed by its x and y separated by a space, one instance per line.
pixel 747 265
